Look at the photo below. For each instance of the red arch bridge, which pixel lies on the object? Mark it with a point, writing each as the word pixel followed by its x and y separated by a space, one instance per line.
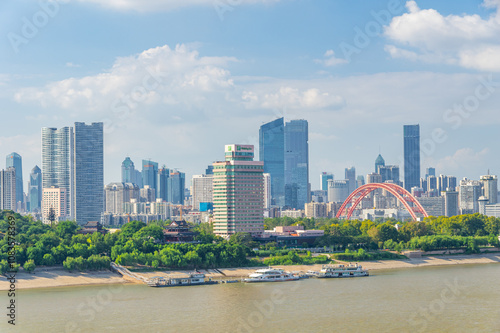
pixel 403 196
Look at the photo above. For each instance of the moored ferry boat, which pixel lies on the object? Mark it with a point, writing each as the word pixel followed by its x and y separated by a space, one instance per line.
pixel 271 275
pixel 192 279
pixel 342 271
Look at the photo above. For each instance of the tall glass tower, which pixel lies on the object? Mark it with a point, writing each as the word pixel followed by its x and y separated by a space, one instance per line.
pixel 15 160
pixel 297 162
pixel 149 174
pixel 35 190
pixel 58 161
pixel 128 171
pixel 162 186
pixel 89 172
pixel 412 156
pixel 272 153
pixel 176 186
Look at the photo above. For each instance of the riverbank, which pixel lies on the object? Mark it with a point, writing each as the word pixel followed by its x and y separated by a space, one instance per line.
pixel 62 278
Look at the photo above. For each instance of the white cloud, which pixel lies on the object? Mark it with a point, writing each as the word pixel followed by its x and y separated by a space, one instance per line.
pixel 330 59
pixel 159 75
pixel 465 40
pixel 465 160
pixel 287 97
pixel 167 5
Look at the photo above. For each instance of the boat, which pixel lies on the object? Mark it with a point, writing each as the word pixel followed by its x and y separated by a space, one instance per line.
pixel 342 271
pixel 271 275
pixel 192 279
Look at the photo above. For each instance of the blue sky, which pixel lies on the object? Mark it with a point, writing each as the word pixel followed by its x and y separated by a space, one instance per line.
pixel 175 80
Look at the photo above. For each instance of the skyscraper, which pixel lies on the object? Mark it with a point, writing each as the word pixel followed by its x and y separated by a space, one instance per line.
pixel 162 185
pixel 297 161
pixel 15 160
pixel 8 189
pixel 149 173
pixel 324 177
pixel 176 187
pixel 201 190
pixel 35 190
pixel 350 176
pixel 411 156
pixel 238 192
pixel 379 161
pixel 272 153
pixel 58 154
pixel 89 172
pixel 490 188
pixel 468 195
pixel 128 171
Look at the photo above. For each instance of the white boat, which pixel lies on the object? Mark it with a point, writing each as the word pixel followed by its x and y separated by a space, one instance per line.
pixel 271 275
pixel 341 271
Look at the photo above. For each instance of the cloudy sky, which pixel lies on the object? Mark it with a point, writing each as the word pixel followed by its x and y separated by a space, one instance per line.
pixel 175 80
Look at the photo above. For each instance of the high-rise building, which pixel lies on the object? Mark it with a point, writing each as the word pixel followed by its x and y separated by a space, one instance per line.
pixel 350 176
pixel 8 189
pixel 89 172
pixel 297 161
pixel 209 170
pixel 119 193
pixel 149 173
pixel 176 187
pixel 147 194
pixel 128 171
pixel 162 185
pixel 324 177
pixel 54 200
pixel 238 192
pixel 360 181
pixel 58 158
pixel 267 190
pixel 411 156
pixel 272 153
pixel 35 190
pixel 379 162
pixel 373 178
pixel 138 178
pixel 434 206
pixel 338 190
pixel 469 193
pixel 389 173
pixel 201 190
pixel 490 188
pixel 430 172
pixel 15 160
pixel 451 203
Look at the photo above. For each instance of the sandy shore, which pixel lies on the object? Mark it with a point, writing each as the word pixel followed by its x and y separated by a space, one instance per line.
pixel 60 277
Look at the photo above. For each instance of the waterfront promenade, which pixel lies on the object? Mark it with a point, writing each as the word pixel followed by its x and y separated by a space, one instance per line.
pixel 44 278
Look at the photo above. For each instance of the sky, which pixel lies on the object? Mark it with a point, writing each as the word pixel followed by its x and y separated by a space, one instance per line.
pixel 176 80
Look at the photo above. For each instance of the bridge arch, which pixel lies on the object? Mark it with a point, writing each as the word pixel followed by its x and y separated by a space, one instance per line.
pixel 400 193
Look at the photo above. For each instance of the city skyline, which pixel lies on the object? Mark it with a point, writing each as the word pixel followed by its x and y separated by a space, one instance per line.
pixel 354 103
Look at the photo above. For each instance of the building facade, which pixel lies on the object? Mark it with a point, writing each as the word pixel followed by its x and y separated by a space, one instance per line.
pixel 238 192
pixel 201 190
pixel 54 199
pixel 8 189
pixel 490 188
pixel 176 187
pixel 58 158
pixel 89 172
pixel 15 161
pixel 272 153
pixel 128 171
pixel 469 193
pixel 411 156
pixel 297 161
pixel 324 177
pixel 35 190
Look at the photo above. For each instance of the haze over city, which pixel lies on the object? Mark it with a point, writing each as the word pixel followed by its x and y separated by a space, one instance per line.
pixel 176 81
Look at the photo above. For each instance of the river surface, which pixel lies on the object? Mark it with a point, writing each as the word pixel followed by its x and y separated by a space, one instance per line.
pixel 464 298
